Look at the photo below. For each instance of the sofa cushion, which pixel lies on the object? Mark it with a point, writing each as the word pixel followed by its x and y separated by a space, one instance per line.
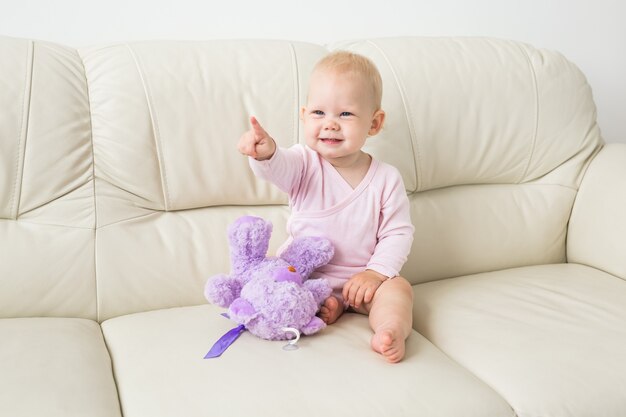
pixel 46 270
pixel 55 367
pixel 163 260
pixel 480 111
pixel 45 135
pixel 487 228
pixel 166 117
pixel 333 373
pixel 550 339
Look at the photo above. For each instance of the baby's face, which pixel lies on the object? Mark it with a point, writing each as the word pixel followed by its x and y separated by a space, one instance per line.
pixel 339 116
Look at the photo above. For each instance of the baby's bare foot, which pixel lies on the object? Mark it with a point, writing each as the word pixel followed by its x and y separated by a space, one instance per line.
pixel 331 310
pixel 387 343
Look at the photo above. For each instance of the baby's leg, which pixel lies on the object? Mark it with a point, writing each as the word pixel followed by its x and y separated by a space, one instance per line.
pixel 391 318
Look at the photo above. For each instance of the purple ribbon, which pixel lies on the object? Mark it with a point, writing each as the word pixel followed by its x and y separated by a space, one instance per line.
pixel 223 342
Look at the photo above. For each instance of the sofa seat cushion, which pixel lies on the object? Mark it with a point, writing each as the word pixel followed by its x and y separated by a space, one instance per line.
pixel 55 367
pixel 550 339
pixel 160 371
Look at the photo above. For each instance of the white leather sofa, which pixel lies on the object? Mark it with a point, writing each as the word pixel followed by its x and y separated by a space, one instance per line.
pixel 119 175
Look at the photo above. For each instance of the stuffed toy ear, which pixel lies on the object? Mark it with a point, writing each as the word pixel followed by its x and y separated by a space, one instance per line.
pixel 249 239
pixel 308 253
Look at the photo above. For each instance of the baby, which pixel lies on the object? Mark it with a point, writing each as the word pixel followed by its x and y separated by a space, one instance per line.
pixel 340 192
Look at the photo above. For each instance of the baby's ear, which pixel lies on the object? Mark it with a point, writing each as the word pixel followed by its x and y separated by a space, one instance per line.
pixel 302 110
pixel 378 120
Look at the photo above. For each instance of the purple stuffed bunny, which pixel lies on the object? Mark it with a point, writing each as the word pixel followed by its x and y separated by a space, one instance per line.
pixel 267 294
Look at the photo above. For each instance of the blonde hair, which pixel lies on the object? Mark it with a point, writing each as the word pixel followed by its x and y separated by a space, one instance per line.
pixel 346 62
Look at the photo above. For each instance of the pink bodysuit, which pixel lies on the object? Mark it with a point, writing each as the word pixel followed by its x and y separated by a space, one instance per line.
pixel 369 226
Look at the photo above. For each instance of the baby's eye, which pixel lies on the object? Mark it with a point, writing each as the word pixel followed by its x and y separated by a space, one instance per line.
pixel 345 114
pixel 317 112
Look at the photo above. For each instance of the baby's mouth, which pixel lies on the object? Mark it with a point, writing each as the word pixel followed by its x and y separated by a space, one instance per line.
pixel 330 141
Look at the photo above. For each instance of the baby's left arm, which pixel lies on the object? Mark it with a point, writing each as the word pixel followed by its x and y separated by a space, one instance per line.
pixel 394 239
pixel 395 231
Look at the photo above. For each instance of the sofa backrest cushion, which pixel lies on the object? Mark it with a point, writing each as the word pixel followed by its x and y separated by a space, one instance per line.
pixel 166 118
pixel 491 137
pixel 47 216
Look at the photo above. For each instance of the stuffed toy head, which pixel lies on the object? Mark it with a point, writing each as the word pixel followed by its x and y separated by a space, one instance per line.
pixel 268 294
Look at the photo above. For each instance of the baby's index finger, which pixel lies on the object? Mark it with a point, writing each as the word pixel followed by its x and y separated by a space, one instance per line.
pixel 258 130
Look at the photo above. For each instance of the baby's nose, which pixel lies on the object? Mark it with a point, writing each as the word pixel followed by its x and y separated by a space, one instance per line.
pixel 331 125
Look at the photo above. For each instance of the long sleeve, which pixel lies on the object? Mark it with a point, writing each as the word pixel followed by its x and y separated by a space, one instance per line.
pixel 284 169
pixel 395 231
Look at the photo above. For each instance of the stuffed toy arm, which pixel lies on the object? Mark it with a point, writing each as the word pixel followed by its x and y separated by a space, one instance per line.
pixel 222 290
pixel 320 289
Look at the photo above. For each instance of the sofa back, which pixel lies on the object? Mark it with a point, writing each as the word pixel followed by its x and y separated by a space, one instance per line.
pixel 46 183
pixel 120 173
pixel 492 138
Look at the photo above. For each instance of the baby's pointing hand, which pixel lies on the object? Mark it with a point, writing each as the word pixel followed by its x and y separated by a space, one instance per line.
pixel 256 142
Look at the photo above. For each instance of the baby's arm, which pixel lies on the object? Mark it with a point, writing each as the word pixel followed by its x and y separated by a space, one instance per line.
pixel 282 167
pixel 256 142
pixel 394 239
pixel 395 230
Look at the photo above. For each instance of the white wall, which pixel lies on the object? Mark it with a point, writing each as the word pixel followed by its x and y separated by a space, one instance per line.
pixel 592 33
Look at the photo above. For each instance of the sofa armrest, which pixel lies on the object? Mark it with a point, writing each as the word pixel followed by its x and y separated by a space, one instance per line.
pixel 597 227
